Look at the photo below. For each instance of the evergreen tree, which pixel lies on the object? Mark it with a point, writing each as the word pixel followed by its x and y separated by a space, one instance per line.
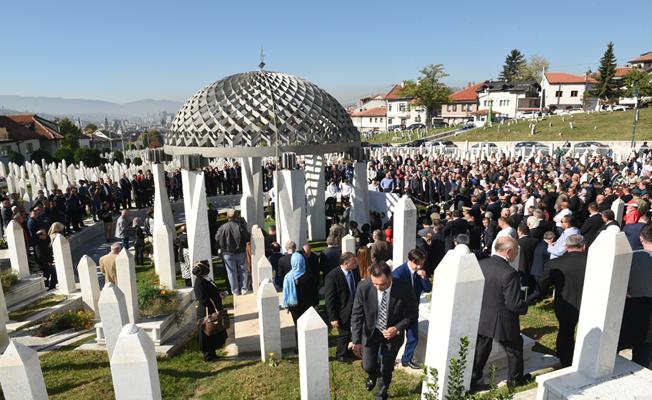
pixel 513 67
pixel 607 88
pixel 70 132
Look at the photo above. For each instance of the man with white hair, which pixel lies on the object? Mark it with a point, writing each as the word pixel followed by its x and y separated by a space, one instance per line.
pixel 107 263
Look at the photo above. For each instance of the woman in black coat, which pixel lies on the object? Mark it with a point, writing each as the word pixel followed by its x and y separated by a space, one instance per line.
pixel 208 300
pixel 43 258
pixel 139 244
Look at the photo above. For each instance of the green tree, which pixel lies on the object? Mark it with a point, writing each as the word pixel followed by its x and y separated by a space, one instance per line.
pixel 607 88
pixel 429 91
pixel 513 67
pixel 90 157
pixel 118 156
pixel 533 70
pixel 65 153
pixel 640 78
pixel 91 127
pixel 70 133
pixel 40 154
pixel 15 157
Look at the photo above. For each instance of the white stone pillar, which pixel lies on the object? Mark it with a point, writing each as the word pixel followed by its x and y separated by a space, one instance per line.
pixel 63 264
pixel 454 313
pixel 88 282
pixel 265 270
pixel 314 376
pixel 360 195
pixel 269 321
pixel 348 244
pixel 162 214
pixel 251 203
pixel 257 253
pixel 126 279
pixel 17 249
pixel 618 207
pixel 315 197
pixel 113 314
pixel 291 209
pixel 20 374
pixel 164 256
pixel 405 229
pixel 133 366
pixel 194 200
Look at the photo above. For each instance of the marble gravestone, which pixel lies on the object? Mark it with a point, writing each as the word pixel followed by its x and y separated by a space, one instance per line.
pixel 269 321
pixel 405 225
pixel 20 374
pixel 314 376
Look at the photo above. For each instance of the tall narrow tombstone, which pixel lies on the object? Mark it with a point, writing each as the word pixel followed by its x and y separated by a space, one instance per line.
pixel 17 249
pixel 20 374
pixel 265 270
pixel 291 211
pixel 251 204
pixel 405 225
pixel 3 170
pixel 164 256
pixel 113 314
pixel 455 309
pixel 312 334
pixel 88 282
pixel 194 195
pixel 315 196
pixel 162 208
pixel 125 267
pixel 618 207
pixel 257 253
pixel 133 366
pixel 63 264
pixel 269 321
pixel 348 244
pixel 360 195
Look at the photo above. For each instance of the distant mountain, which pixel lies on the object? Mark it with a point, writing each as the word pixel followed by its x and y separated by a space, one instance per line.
pixel 92 110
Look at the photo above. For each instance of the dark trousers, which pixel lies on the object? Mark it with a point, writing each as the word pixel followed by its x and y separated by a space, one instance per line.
pixel 139 256
pixel 377 347
pixel 513 349
pixel 412 339
pixel 125 243
pixel 566 341
pixel 343 339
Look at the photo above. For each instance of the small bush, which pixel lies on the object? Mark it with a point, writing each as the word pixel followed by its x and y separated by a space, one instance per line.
pixel 90 157
pixel 65 153
pixel 16 157
pixel 39 155
pixel 3 243
pixel 8 278
pixel 138 161
pixel 118 156
pixel 154 300
pixel 59 322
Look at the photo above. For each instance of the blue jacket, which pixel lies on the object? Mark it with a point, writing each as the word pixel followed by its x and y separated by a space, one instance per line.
pixel 402 273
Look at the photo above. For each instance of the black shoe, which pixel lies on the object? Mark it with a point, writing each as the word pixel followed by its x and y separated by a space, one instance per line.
pixel 345 359
pixel 479 387
pixel 519 381
pixel 371 384
pixel 210 358
pixel 411 364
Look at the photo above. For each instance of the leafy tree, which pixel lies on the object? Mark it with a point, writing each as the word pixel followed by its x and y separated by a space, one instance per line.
pixel 118 156
pixel 533 70
pixel 138 161
pixel 513 67
pixel 90 157
pixel 429 91
pixel 607 88
pixel 65 153
pixel 15 157
pixel 70 133
pixel 41 154
pixel 91 127
pixel 637 77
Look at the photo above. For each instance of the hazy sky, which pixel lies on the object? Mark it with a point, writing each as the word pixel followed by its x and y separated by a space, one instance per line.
pixel 128 50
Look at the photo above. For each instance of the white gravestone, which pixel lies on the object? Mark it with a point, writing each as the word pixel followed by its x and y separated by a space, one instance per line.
pixel 291 206
pixel 88 282
pixel 269 321
pixel 618 207
pixel 162 218
pixel 314 376
pixel 125 267
pixel 455 306
pixel 20 374
pixel 405 225
pixel 265 270
pixel 348 244
pixel 17 249
pixel 257 253
pixel 113 314
pixel 164 256
pixel 360 195
pixel 194 196
pixel 133 366
pixel 63 264
pixel 315 196
pixel 251 203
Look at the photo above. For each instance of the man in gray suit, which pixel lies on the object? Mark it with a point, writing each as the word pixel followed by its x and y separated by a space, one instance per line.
pixel 382 309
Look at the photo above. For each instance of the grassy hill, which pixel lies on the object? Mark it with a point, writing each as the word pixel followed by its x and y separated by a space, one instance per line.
pixel 603 126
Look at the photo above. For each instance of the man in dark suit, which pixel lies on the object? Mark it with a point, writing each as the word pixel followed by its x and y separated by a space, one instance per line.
pixel 502 303
pixel 526 244
pixel 382 310
pixel 537 231
pixel 380 250
pixel 592 225
pixel 566 273
pixel 339 292
pixel 284 263
pixel 412 273
pixel 456 226
pixel 313 269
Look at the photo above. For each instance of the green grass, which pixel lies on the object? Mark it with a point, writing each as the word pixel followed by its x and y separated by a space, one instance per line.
pixel 403 136
pixel 615 125
pixel 39 305
pixel 540 323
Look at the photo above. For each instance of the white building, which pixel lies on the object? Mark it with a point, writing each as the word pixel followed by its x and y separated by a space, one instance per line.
pixel 562 91
pixel 509 99
pixel 403 111
pixel 370 120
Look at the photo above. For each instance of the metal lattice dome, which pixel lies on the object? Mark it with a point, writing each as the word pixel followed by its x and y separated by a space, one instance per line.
pixel 251 113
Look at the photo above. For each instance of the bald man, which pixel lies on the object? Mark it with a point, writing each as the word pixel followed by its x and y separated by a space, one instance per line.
pixel 502 303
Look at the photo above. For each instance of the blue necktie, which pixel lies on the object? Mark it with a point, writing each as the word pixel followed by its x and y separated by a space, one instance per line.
pixel 351 282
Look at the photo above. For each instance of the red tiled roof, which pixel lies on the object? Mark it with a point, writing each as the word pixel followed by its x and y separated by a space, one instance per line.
pixel 622 71
pixel 37 124
pixel 12 131
pixel 562 77
pixel 372 112
pixel 645 57
pixel 466 95
pixel 395 93
pixel 484 112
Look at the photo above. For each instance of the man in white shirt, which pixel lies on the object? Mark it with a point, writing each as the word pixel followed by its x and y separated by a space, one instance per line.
pixel 558 248
pixel 562 213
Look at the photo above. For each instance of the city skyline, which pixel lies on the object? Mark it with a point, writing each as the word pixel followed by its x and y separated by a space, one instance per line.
pixel 122 52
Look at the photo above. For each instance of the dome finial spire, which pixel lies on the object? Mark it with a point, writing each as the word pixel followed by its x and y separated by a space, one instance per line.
pixel 262 59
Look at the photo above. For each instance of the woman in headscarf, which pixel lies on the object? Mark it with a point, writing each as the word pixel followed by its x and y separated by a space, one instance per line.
pixel 55 228
pixel 298 288
pixel 208 302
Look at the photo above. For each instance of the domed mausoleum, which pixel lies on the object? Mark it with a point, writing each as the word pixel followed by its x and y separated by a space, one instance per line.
pixel 250 114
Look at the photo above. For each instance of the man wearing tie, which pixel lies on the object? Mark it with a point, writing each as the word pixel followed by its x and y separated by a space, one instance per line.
pixel 383 308
pixel 412 273
pixel 339 291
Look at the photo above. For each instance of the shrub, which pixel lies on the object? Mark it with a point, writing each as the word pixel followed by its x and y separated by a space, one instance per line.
pixel 59 322
pixel 154 300
pixel 90 157
pixel 118 156
pixel 8 279
pixel 16 157
pixel 65 153
pixel 39 155
pixel 138 161
pixel 3 243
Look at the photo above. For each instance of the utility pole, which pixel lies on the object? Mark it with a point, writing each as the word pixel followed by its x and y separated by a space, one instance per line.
pixel 636 114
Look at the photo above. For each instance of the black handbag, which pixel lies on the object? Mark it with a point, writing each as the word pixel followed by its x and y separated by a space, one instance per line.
pixel 216 322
